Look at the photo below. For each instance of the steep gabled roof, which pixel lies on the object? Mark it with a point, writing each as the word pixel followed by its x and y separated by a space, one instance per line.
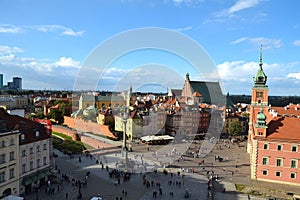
pixel 176 92
pixel 25 126
pixel 211 92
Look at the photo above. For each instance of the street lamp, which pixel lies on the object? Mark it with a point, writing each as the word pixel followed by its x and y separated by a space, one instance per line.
pixel 125 118
pixel 124 147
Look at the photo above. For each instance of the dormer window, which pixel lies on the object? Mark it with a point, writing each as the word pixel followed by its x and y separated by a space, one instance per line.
pixel 22 136
pixel 37 133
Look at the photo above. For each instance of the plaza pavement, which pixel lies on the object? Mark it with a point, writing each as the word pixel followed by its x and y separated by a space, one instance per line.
pixel 99 181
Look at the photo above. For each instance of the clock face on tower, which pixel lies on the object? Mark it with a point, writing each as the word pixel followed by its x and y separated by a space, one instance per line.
pixel 259 94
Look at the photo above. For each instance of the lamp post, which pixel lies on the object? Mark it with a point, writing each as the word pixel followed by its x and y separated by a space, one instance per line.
pixel 124 147
pixel 125 118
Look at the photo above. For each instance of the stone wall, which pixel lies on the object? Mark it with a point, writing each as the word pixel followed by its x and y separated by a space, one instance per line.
pixel 88 126
pixel 94 143
pixel 65 131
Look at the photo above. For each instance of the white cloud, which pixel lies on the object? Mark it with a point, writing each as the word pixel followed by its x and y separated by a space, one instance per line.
pixel 186 2
pixel 9 58
pixel 183 29
pixel 241 5
pixel 9 50
pixel 296 42
pixel 237 77
pixel 8 28
pixel 67 62
pixel 237 70
pixel 236 7
pixel 239 40
pixel 57 28
pixel 295 75
pixel 267 43
pixel 240 71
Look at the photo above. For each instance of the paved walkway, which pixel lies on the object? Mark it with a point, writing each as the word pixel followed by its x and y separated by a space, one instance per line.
pixel 99 181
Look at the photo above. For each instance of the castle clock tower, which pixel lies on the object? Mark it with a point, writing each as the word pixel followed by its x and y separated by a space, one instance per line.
pixel 259 103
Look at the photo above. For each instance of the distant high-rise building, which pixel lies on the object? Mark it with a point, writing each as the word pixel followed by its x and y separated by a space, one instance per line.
pixel 17 82
pixel 1 81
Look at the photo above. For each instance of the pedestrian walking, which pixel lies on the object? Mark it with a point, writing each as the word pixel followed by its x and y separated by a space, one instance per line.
pixel 67 195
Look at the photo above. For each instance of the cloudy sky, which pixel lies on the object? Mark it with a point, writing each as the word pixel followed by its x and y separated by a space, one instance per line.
pixel 50 44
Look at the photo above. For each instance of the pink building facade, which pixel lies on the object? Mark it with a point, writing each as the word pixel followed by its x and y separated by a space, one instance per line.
pixel 274 137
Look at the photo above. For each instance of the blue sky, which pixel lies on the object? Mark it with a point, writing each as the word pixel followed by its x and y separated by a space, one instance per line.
pixel 47 43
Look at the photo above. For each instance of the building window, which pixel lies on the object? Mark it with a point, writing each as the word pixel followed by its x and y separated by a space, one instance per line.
pixel 265 172
pixel 278 173
pixel 294 163
pixel 38 148
pixel 259 94
pixel 23 168
pixel 11 155
pixel 45 147
pixel 31 165
pixel 266 146
pixel 22 136
pixel 294 148
pixel 12 142
pixel 2 158
pixel 265 160
pixel 279 162
pixel 279 147
pixel 38 163
pixel 23 153
pixel 12 173
pixel 31 150
pixel 2 177
pixel 3 143
pixel 44 160
pixel 293 175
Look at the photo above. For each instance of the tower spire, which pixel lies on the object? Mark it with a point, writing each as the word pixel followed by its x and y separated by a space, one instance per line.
pixel 260 57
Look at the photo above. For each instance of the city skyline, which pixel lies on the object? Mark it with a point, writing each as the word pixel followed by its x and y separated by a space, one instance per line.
pixel 47 43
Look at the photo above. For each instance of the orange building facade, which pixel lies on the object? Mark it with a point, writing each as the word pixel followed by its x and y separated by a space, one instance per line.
pixel 274 137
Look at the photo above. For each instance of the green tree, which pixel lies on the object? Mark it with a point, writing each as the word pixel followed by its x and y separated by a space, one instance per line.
pixel 56 115
pixel 235 128
pixel 40 115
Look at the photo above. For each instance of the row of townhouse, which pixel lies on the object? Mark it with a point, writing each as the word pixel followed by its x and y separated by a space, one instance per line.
pixel 25 149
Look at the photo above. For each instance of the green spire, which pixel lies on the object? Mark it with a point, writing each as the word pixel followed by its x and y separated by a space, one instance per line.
pixel 260 78
pixel 260 58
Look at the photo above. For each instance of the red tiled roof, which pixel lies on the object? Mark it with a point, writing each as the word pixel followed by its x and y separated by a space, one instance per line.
pixel 25 126
pixel 284 128
pixel 288 111
pixel 196 94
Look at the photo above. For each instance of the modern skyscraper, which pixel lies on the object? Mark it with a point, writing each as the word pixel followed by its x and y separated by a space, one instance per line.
pixel 1 81
pixel 17 82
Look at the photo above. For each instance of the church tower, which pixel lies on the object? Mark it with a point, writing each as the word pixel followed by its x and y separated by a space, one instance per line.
pixel 259 103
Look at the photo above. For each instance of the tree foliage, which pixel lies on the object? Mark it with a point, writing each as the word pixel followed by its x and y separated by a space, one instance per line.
pixel 56 115
pixel 235 128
